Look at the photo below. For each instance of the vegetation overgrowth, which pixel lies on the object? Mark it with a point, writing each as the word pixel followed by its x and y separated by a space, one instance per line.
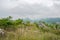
pixel 26 30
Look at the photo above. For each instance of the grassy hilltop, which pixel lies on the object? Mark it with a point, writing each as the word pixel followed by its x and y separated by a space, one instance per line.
pixel 26 30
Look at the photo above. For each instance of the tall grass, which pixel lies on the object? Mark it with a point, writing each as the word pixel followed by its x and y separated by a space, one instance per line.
pixel 18 30
pixel 30 34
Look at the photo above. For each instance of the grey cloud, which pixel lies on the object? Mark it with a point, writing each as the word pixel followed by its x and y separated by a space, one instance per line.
pixel 56 0
pixel 34 9
pixel 28 9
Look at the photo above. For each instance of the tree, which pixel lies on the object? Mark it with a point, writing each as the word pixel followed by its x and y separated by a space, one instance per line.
pixel 6 22
pixel 18 21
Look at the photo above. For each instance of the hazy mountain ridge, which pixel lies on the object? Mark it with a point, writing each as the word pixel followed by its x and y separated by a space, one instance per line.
pixel 51 20
pixel 48 20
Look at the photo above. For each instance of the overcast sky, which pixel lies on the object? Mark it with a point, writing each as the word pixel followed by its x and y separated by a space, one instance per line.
pixel 30 8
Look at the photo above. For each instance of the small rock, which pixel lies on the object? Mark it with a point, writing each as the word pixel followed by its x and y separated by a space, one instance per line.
pixel 2 33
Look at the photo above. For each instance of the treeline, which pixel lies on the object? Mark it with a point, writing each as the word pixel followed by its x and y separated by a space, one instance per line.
pixel 8 23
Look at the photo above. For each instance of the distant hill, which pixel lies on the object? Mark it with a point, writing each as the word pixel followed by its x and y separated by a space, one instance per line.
pixel 52 20
pixel 48 20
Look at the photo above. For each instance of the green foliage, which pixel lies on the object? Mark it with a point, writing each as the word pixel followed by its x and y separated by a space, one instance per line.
pixel 5 22
pixel 36 24
pixel 27 23
pixel 18 21
pixel 8 23
pixel 28 30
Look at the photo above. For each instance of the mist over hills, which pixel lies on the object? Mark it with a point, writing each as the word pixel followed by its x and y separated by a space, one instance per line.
pixel 52 20
pixel 48 20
